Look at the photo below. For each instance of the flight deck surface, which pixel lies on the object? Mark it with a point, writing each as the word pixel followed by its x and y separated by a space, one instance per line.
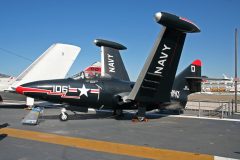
pixel 100 136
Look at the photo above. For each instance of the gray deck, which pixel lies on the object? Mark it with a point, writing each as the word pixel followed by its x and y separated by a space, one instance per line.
pixel 212 137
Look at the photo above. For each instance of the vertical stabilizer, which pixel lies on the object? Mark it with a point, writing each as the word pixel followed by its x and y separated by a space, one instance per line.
pixel 54 63
pixel 190 78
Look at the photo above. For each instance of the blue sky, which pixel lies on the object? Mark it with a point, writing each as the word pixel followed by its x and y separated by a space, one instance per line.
pixel 29 27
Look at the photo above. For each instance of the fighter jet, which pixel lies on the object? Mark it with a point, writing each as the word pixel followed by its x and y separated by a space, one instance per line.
pixel 155 86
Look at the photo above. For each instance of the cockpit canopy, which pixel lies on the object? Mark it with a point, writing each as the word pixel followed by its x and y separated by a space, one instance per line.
pixel 91 72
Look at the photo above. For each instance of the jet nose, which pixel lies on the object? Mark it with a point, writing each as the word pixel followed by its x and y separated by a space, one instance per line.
pixel 19 89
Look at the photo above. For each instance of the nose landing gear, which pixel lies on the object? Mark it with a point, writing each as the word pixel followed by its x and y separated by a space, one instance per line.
pixel 63 116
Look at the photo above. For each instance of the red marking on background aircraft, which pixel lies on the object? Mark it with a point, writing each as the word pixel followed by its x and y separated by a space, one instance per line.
pixel 197 63
pixel 96 69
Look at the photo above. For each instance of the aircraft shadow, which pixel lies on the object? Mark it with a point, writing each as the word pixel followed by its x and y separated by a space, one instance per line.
pixel 79 116
pixel 4 125
pixel 100 115
pixel 11 106
pixel 2 136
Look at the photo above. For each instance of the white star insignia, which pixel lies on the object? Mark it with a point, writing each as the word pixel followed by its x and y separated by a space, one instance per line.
pixel 83 90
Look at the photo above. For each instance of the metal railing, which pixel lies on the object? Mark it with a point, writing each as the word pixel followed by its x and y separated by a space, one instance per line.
pixel 221 109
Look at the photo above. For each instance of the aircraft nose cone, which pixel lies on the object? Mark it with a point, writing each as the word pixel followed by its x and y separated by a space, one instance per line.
pixel 19 89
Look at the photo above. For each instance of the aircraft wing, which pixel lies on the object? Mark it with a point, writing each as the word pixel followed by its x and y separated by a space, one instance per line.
pixel 216 79
pixel 111 61
pixel 54 63
pixel 156 79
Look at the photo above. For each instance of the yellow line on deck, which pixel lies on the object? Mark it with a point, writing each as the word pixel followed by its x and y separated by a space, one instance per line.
pixel 103 146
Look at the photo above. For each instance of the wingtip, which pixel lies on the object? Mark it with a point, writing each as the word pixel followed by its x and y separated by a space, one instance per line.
pixel 158 16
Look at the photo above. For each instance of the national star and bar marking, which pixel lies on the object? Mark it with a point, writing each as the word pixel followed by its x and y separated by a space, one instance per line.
pixel 83 91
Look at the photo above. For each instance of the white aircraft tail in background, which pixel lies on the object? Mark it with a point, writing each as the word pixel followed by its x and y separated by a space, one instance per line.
pixel 225 77
pixel 54 63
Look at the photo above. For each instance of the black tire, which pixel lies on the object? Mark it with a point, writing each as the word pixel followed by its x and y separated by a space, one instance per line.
pixel 141 119
pixel 63 118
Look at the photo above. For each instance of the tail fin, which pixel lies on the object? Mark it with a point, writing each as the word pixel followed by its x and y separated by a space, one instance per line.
pixel 155 81
pixel 54 63
pixel 112 64
pixel 224 76
pixel 190 78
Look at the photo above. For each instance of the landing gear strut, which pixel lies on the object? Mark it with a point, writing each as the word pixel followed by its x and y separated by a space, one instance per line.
pixel 63 116
pixel 140 115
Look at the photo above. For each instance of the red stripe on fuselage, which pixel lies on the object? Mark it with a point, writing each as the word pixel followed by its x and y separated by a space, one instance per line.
pixel 74 97
pixel 21 90
pixel 94 91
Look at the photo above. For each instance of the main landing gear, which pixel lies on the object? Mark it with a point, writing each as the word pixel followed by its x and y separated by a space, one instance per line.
pixel 140 115
pixel 63 116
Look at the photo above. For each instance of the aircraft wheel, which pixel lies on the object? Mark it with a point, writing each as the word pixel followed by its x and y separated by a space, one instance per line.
pixel 142 119
pixel 139 119
pixel 63 117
